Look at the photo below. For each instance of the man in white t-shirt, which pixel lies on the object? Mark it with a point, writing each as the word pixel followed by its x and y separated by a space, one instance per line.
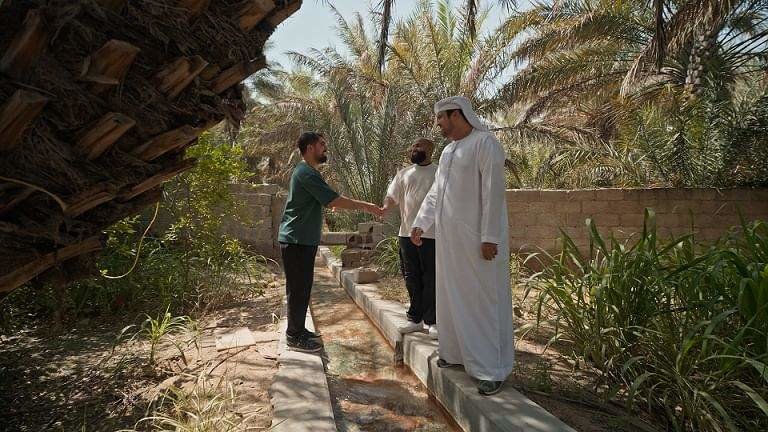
pixel 407 190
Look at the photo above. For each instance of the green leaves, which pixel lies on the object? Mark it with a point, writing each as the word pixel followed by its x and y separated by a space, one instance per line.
pixel 754 395
pixel 388 255
pixel 155 329
pixel 185 261
pixel 655 316
pixel 671 83
pixel 372 115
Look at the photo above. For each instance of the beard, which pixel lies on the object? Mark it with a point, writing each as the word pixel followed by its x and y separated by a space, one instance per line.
pixel 444 131
pixel 418 157
pixel 323 158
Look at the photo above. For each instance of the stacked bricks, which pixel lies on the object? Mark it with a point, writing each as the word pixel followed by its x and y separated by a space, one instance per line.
pixel 537 216
pixel 365 275
pixel 359 251
pixel 356 257
pixel 373 232
pixel 368 235
pixel 338 237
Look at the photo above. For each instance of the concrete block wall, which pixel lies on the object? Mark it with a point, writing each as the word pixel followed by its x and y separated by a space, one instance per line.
pixel 536 216
pixel 258 219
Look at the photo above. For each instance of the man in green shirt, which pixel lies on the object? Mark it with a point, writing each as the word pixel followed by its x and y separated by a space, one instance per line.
pixel 300 232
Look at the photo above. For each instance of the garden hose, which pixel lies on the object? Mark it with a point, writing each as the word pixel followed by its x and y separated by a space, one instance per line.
pixel 138 249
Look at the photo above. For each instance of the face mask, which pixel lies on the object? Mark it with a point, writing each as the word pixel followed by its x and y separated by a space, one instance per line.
pixel 418 157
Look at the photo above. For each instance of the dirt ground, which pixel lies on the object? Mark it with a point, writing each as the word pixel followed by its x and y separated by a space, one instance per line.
pixel 548 377
pixel 75 381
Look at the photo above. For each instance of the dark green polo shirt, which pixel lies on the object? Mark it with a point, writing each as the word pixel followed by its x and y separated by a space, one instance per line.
pixel 302 220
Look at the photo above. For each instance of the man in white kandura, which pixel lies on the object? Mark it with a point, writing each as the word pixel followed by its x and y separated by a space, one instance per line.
pixel 467 206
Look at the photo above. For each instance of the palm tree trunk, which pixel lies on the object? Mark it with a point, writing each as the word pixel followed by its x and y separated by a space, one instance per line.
pixel 471 23
pixel 386 22
pixel 661 42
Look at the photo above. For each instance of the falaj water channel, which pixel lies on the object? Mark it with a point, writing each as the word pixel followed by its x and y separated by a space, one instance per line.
pixel 369 391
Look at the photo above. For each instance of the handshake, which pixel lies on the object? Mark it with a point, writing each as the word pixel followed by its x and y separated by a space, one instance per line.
pixel 343 202
pixel 375 210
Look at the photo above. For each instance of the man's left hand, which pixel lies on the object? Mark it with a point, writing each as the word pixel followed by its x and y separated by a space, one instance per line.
pixel 489 251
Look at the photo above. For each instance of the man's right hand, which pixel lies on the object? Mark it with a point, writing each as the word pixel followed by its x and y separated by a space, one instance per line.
pixel 416 236
pixel 375 210
pixel 389 203
pixel 343 202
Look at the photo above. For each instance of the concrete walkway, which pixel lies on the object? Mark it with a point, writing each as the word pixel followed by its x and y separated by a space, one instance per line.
pixel 509 410
pixel 300 396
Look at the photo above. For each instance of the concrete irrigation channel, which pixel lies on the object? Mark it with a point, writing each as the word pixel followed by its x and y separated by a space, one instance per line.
pixel 369 391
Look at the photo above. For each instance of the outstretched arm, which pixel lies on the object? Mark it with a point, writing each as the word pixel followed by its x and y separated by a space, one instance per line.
pixel 389 204
pixel 342 202
pixel 328 197
pixel 394 194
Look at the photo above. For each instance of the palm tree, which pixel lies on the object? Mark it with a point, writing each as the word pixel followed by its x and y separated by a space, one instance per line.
pixel 372 115
pixel 589 66
pixel 436 58
pixel 589 105
pixel 364 112
pixel 470 9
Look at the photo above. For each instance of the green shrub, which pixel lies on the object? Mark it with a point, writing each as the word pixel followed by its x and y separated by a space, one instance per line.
pixel 336 250
pixel 678 327
pixel 153 330
pixel 190 265
pixel 388 256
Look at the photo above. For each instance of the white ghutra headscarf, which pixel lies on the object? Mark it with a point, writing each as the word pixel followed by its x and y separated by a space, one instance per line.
pixel 463 104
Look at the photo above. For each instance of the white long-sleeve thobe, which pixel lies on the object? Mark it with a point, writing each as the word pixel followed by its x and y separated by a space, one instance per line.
pixel 467 206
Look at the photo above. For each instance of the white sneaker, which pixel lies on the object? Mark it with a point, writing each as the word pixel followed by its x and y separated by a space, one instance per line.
pixel 411 327
pixel 432 332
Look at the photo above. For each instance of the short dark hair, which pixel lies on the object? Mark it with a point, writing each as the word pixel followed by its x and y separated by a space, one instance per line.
pixel 450 111
pixel 308 138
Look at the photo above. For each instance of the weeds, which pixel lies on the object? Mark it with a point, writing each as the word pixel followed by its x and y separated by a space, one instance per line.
pixel 184 261
pixel 154 330
pixel 542 376
pixel 207 407
pixel 388 256
pixel 336 250
pixel 680 327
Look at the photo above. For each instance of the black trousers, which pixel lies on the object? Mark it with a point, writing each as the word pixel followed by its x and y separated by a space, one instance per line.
pixel 418 266
pixel 299 267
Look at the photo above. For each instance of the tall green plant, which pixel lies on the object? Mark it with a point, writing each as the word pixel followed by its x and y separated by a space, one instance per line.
pixel 748 256
pixel 372 115
pixel 388 255
pixel 679 328
pixel 658 78
pixel 185 262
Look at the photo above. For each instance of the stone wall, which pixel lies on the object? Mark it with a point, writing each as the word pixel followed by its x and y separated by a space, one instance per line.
pixel 260 211
pixel 536 216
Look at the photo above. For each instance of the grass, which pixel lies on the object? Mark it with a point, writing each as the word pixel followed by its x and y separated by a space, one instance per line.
pixel 336 250
pixel 154 330
pixel 677 328
pixel 208 406
pixel 388 256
